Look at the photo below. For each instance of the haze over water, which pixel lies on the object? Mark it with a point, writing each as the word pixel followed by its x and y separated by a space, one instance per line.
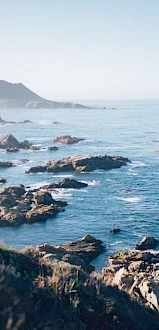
pixel 125 197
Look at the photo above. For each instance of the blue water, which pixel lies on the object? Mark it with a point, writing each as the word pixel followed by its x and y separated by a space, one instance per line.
pixel 130 130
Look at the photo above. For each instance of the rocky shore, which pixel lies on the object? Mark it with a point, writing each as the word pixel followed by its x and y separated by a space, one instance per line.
pixel 137 272
pixel 53 287
pixel 81 164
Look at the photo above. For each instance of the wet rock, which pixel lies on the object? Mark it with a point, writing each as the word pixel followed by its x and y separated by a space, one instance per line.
pixel 53 148
pixel 81 164
pixel 12 149
pixel 146 243
pixel 67 139
pixel 6 164
pixel 114 230
pixel 18 206
pixel 66 183
pixel 2 180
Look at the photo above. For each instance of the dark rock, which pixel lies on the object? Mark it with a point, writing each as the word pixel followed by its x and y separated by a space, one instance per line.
pixel 25 144
pixel 81 164
pixel 6 164
pixel 146 243
pixel 36 169
pixel 67 139
pixel 2 180
pixel 12 149
pixel 114 230
pixel 52 148
pixel 66 183
pixel 86 163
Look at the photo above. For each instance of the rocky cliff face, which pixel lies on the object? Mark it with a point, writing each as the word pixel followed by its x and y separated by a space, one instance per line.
pixel 19 96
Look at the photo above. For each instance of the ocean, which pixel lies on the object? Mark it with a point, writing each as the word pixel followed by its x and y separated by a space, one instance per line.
pixel 127 198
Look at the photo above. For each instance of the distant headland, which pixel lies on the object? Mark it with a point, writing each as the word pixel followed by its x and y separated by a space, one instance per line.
pixel 19 96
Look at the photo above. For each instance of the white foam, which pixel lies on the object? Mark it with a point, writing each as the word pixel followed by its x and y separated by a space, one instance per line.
pixel 62 193
pixel 130 199
pixel 92 182
pixel 138 164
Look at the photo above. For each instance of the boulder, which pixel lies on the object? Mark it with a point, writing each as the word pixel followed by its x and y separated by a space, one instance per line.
pixel 67 139
pixel 2 180
pixel 146 243
pixel 6 164
pixel 52 148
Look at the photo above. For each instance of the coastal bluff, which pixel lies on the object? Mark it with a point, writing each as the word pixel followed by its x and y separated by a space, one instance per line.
pixel 14 96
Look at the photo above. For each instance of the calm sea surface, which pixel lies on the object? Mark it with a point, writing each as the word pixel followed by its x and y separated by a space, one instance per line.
pixel 125 128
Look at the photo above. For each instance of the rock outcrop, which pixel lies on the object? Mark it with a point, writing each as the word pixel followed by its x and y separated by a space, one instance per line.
pixel 65 183
pixel 80 252
pixel 137 273
pixel 6 164
pixel 146 243
pixel 9 141
pixel 67 139
pixel 18 206
pixel 81 164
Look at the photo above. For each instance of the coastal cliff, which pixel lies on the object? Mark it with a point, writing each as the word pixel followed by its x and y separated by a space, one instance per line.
pixel 17 95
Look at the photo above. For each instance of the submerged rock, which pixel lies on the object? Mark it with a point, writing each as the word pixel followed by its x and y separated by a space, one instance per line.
pixel 81 164
pixel 114 230
pixel 67 139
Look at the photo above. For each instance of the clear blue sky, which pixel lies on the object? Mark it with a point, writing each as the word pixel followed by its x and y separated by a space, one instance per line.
pixel 81 49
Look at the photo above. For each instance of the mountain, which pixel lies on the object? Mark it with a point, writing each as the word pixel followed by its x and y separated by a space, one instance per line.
pixel 19 96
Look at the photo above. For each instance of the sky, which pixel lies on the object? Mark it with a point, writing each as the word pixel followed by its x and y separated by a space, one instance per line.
pixel 81 49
